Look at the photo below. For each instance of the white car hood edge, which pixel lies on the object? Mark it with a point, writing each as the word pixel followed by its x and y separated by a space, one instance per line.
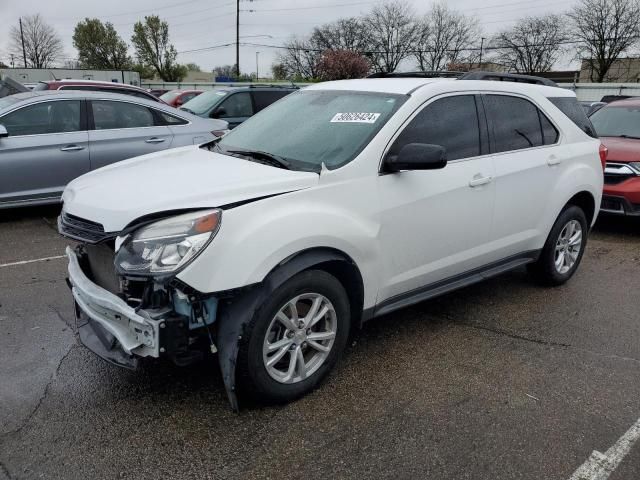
pixel 182 178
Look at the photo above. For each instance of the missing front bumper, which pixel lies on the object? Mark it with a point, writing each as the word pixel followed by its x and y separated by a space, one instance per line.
pixel 110 319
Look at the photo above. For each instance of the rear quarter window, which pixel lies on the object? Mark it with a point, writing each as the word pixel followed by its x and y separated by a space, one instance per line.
pixel 572 109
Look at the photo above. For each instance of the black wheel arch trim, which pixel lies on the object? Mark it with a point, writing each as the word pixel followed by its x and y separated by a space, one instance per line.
pixel 237 310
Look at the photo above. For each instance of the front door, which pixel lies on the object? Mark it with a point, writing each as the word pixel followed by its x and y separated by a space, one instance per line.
pixel 235 109
pixel 47 147
pixel 436 223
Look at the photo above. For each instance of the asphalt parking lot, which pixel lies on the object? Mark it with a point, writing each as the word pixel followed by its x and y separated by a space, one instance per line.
pixel 502 380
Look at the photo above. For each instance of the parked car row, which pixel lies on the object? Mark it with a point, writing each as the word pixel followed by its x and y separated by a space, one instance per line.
pixel 62 129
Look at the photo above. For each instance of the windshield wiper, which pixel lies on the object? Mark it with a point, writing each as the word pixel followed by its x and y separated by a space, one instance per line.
pixel 263 157
pixel 188 110
pixel 629 136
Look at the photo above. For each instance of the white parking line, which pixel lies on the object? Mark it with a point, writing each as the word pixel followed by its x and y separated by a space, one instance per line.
pixel 600 465
pixel 24 262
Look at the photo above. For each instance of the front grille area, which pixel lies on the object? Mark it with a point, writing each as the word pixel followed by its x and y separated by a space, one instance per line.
pixel 81 229
pixel 102 271
pixel 616 173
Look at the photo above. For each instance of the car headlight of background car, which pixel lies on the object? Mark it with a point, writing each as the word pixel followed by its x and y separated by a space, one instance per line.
pixel 168 245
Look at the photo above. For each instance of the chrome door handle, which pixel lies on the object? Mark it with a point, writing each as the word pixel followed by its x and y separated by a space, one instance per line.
pixel 71 148
pixel 154 140
pixel 553 160
pixel 476 182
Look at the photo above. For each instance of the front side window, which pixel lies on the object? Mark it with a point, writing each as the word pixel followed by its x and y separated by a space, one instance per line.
pixel 517 123
pixel 205 101
pixel 237 105
pixel 313 127
pixel 42 118
pixel 108 114
pixel 617 121
pixel 451 122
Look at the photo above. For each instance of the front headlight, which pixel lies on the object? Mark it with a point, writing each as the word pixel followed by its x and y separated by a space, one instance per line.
pixel 168 245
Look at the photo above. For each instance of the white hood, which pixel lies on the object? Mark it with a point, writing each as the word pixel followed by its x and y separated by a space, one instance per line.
pixel 188 177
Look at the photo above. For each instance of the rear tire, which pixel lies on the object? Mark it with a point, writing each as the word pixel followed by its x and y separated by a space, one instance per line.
pixel 288 349
pixel 564 248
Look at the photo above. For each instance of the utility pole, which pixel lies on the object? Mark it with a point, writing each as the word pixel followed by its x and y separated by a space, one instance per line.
pixel 24 52
pixel 13 63
pixel 481 47
pixel 238 39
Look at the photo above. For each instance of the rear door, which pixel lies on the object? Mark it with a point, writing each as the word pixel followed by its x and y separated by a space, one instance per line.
pixel 47 147
pixel 528 159
pixel 236 108
pixel 121 130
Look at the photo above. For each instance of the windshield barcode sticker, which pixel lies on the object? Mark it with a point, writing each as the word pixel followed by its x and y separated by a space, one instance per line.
pixel 355 117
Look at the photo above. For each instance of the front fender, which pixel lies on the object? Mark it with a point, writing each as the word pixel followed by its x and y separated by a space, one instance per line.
pixel 256 238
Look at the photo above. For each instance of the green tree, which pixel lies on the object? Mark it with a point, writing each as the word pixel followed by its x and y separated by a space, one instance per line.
pixel 151 41
pixel 145 71
pixel 193 67
pixel 100 46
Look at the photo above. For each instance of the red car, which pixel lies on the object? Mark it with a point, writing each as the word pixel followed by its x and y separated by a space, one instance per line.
pixel 618 125
pixel 94 85
pixel 176 98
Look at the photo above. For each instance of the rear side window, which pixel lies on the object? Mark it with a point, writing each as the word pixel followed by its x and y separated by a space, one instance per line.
pixel 517 124
pixel 108 114
pixel 264 99
pixel 166 119
pixel 572 109
pixel 440 123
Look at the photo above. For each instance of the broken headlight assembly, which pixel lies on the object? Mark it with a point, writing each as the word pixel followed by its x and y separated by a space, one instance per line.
pixel 166 246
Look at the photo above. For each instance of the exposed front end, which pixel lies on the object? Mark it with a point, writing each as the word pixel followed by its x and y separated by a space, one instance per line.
pixel 122 315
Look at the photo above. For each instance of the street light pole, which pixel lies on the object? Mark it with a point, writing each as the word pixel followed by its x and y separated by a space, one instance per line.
pixel 257 73
pixel 481 47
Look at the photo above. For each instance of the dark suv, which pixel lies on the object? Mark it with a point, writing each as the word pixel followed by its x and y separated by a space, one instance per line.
pixel 236 104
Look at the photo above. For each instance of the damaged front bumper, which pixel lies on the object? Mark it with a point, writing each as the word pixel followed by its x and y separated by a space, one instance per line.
pixel 107 325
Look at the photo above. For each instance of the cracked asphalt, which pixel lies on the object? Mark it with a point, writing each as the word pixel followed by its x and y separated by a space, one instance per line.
pixel 501 380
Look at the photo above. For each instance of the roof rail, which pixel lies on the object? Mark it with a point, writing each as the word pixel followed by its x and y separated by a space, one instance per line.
pixel 273 85
pixel 508 77
pixel 427 74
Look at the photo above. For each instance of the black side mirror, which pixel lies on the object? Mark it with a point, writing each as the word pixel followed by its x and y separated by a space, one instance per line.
pixel 417 156
pixel 3 132
pixel 218 112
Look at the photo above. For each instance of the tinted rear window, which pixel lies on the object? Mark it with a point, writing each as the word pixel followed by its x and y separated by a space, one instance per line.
pixel 572 109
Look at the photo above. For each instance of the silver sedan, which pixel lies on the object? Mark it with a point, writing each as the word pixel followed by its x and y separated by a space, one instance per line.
pixel 49 138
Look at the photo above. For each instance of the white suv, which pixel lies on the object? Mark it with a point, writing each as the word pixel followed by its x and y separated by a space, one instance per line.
pixel 342 202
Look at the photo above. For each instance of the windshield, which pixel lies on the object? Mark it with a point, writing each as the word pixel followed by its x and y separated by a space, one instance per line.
pixel 203 102
pixel 311 127
pixel 167 97
pixel 617 121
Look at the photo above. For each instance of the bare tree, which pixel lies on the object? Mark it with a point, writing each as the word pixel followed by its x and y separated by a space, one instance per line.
pixel 532 45
pixel 391 31
pixel 443 36
pixel 300 59
pixel 42 45
pixel 343 34
pixel 607 28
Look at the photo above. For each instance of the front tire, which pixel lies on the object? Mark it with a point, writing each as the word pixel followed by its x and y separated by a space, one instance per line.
pixel 563 249
pixel 295 338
